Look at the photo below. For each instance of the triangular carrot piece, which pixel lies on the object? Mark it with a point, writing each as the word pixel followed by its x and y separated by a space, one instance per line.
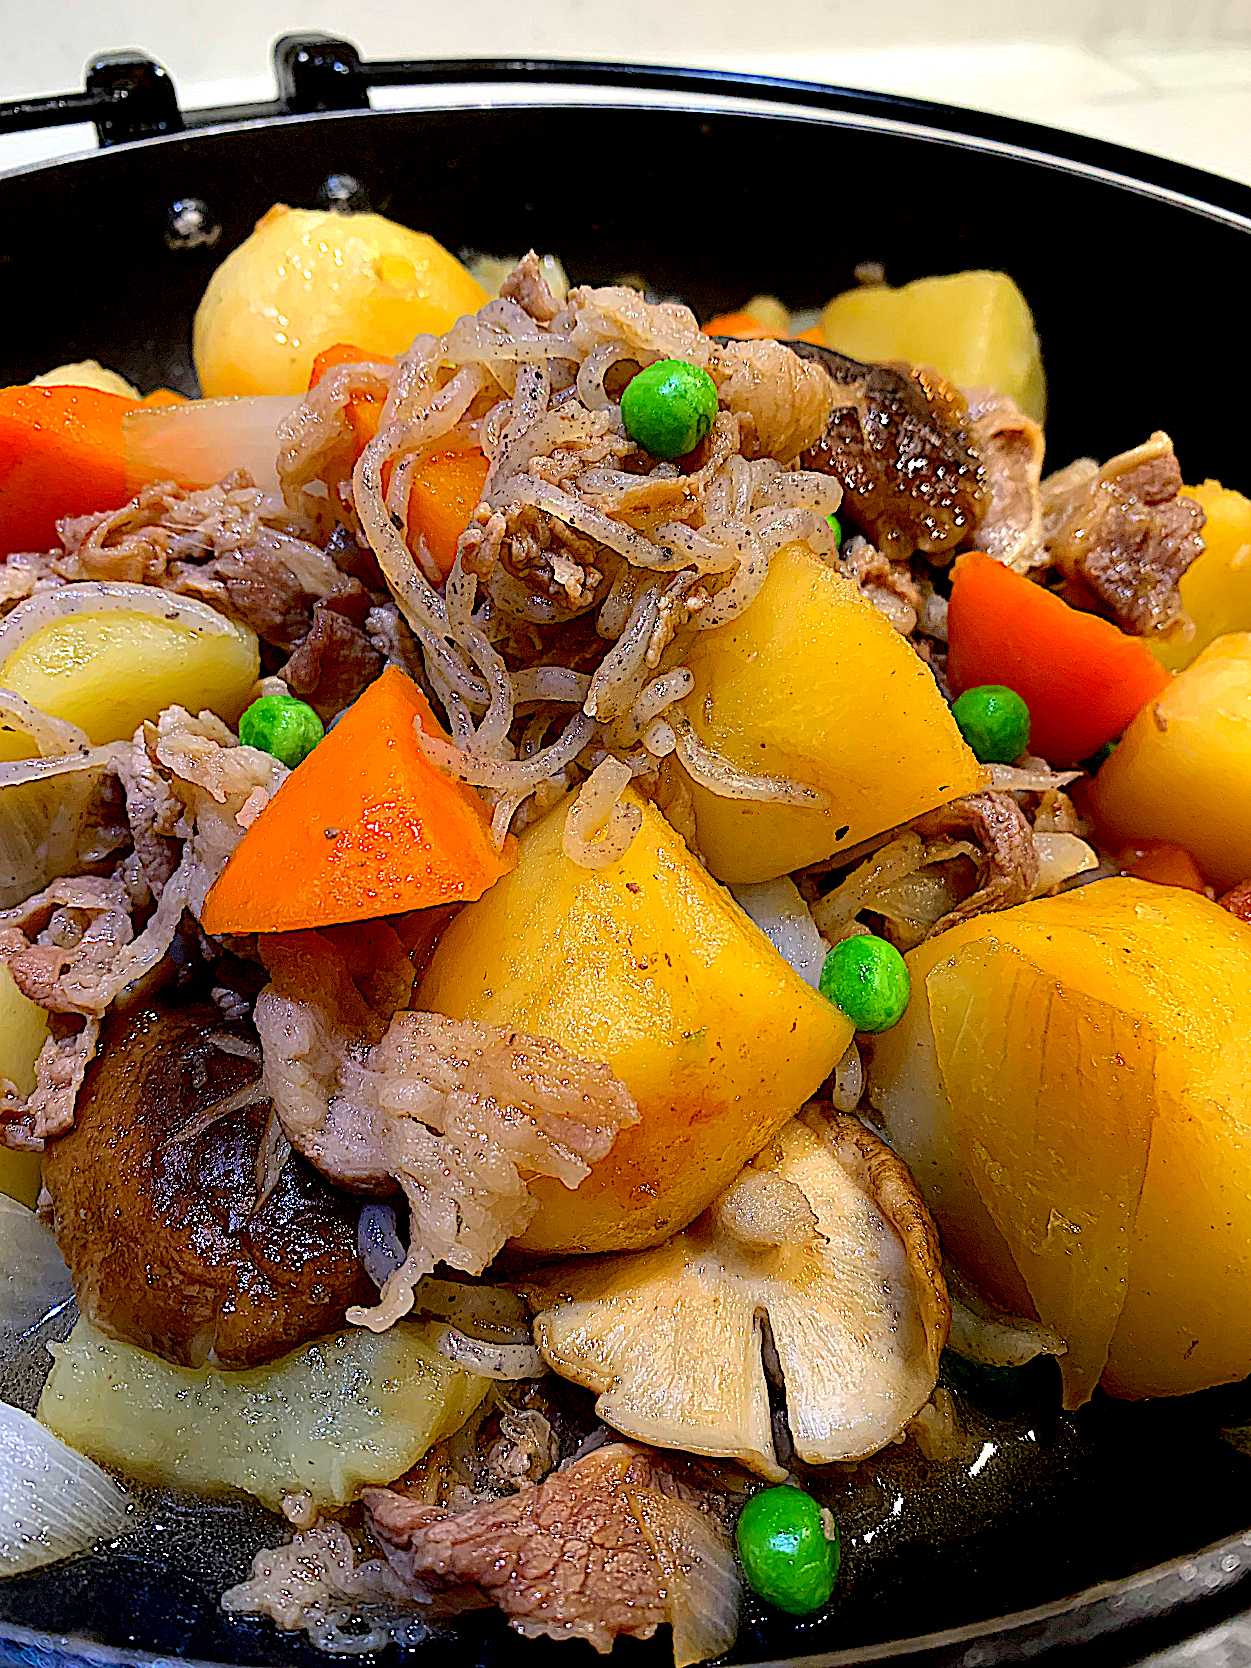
pixel 366 826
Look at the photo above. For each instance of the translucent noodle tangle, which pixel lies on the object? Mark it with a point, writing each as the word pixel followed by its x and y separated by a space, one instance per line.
pixel 577 528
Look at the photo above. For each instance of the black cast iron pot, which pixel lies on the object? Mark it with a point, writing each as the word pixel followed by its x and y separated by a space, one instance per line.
pixel 1116 1535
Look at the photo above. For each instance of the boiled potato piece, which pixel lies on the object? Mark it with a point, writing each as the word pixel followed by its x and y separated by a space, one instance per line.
pixel 1091 1092
pixel 307 279
pixel 86 373
pixel 1216 587
pixel 1182 770
pixel 353 1409
pixel 649 965
pixel 108 672
pixel 23 1030
pixel 974 327
pixel 812 682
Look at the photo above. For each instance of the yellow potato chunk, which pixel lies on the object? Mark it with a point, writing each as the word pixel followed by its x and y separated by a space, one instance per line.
pixel 109 672
pixel 307 279
pixel 86 373
pixel 1216 587
pixel 974 327
pixel 811 682
pixel 1092 1094
pixel 23 1030
pixel 649 965
pixel 1182 770
pixel 333 1417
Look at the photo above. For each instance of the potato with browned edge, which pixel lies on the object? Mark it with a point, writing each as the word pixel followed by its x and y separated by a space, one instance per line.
pixel 157 1218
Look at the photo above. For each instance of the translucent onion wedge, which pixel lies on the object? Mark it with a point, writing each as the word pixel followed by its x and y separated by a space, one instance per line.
pixel 197 443
pixel 106 596
pixel 700 1571
pixel 981 1332
pixel 52 1501
pixel 784 918
pixel 488 1360
pixel 35 1280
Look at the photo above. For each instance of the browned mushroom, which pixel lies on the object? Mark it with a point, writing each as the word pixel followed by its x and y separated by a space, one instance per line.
pixel 155 1205
pixel 899 442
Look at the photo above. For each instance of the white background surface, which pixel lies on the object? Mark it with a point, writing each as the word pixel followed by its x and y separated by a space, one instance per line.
pixel 1165 75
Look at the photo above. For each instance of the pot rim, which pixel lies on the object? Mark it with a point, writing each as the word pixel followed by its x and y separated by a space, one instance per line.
pixel 446 85
pixel 1213 1572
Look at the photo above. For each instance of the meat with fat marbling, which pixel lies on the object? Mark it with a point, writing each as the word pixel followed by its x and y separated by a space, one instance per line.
pixel 1126 532
pixel 591 1553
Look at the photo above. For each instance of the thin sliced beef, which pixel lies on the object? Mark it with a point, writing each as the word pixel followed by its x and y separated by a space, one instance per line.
pixel 889 586
pixel 28 1121
pixel 232 545
pixel 460 1116
pixel 1008 871
pixel 604 1547
pixel 899 442
pixel 1238 901
pixel 527 286
pixel 1125 533
pixel 1011 447
pixel 333 663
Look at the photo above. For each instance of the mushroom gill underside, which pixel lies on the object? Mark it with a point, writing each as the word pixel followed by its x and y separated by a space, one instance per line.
pixel 821 1239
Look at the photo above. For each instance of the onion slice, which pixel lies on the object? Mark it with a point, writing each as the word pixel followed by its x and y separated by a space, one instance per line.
pixel 35 1281
pixel 980 1332
pixel 488 1360
pixel 786 921
pixel 198 443
pixel 53 1501
pixel 489 1311
pixel 106 596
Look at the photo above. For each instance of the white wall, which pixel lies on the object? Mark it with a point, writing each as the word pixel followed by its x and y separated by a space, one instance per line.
pixel 1173 76
pixel 210 40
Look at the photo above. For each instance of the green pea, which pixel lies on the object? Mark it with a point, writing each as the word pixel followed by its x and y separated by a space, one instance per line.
pixel 837 527
pixel 994 720
pixel 281 725
pixel 669 407
pixel 787 1555
pixel 868 979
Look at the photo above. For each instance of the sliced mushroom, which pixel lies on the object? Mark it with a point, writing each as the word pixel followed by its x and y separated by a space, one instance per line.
pixel 899 442
pixel 156 1209
pixel 824 1237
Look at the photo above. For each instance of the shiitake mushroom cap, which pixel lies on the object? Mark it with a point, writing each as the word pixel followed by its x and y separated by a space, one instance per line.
pixel 165 1242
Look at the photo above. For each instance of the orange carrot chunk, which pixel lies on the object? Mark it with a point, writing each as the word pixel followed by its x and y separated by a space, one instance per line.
pixel 1162 861
pixel 366 826
pixel 445 493
pixel 738 324
pixel 343 353
pixel 1081 677
pixel 363 410
pixel 61 453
